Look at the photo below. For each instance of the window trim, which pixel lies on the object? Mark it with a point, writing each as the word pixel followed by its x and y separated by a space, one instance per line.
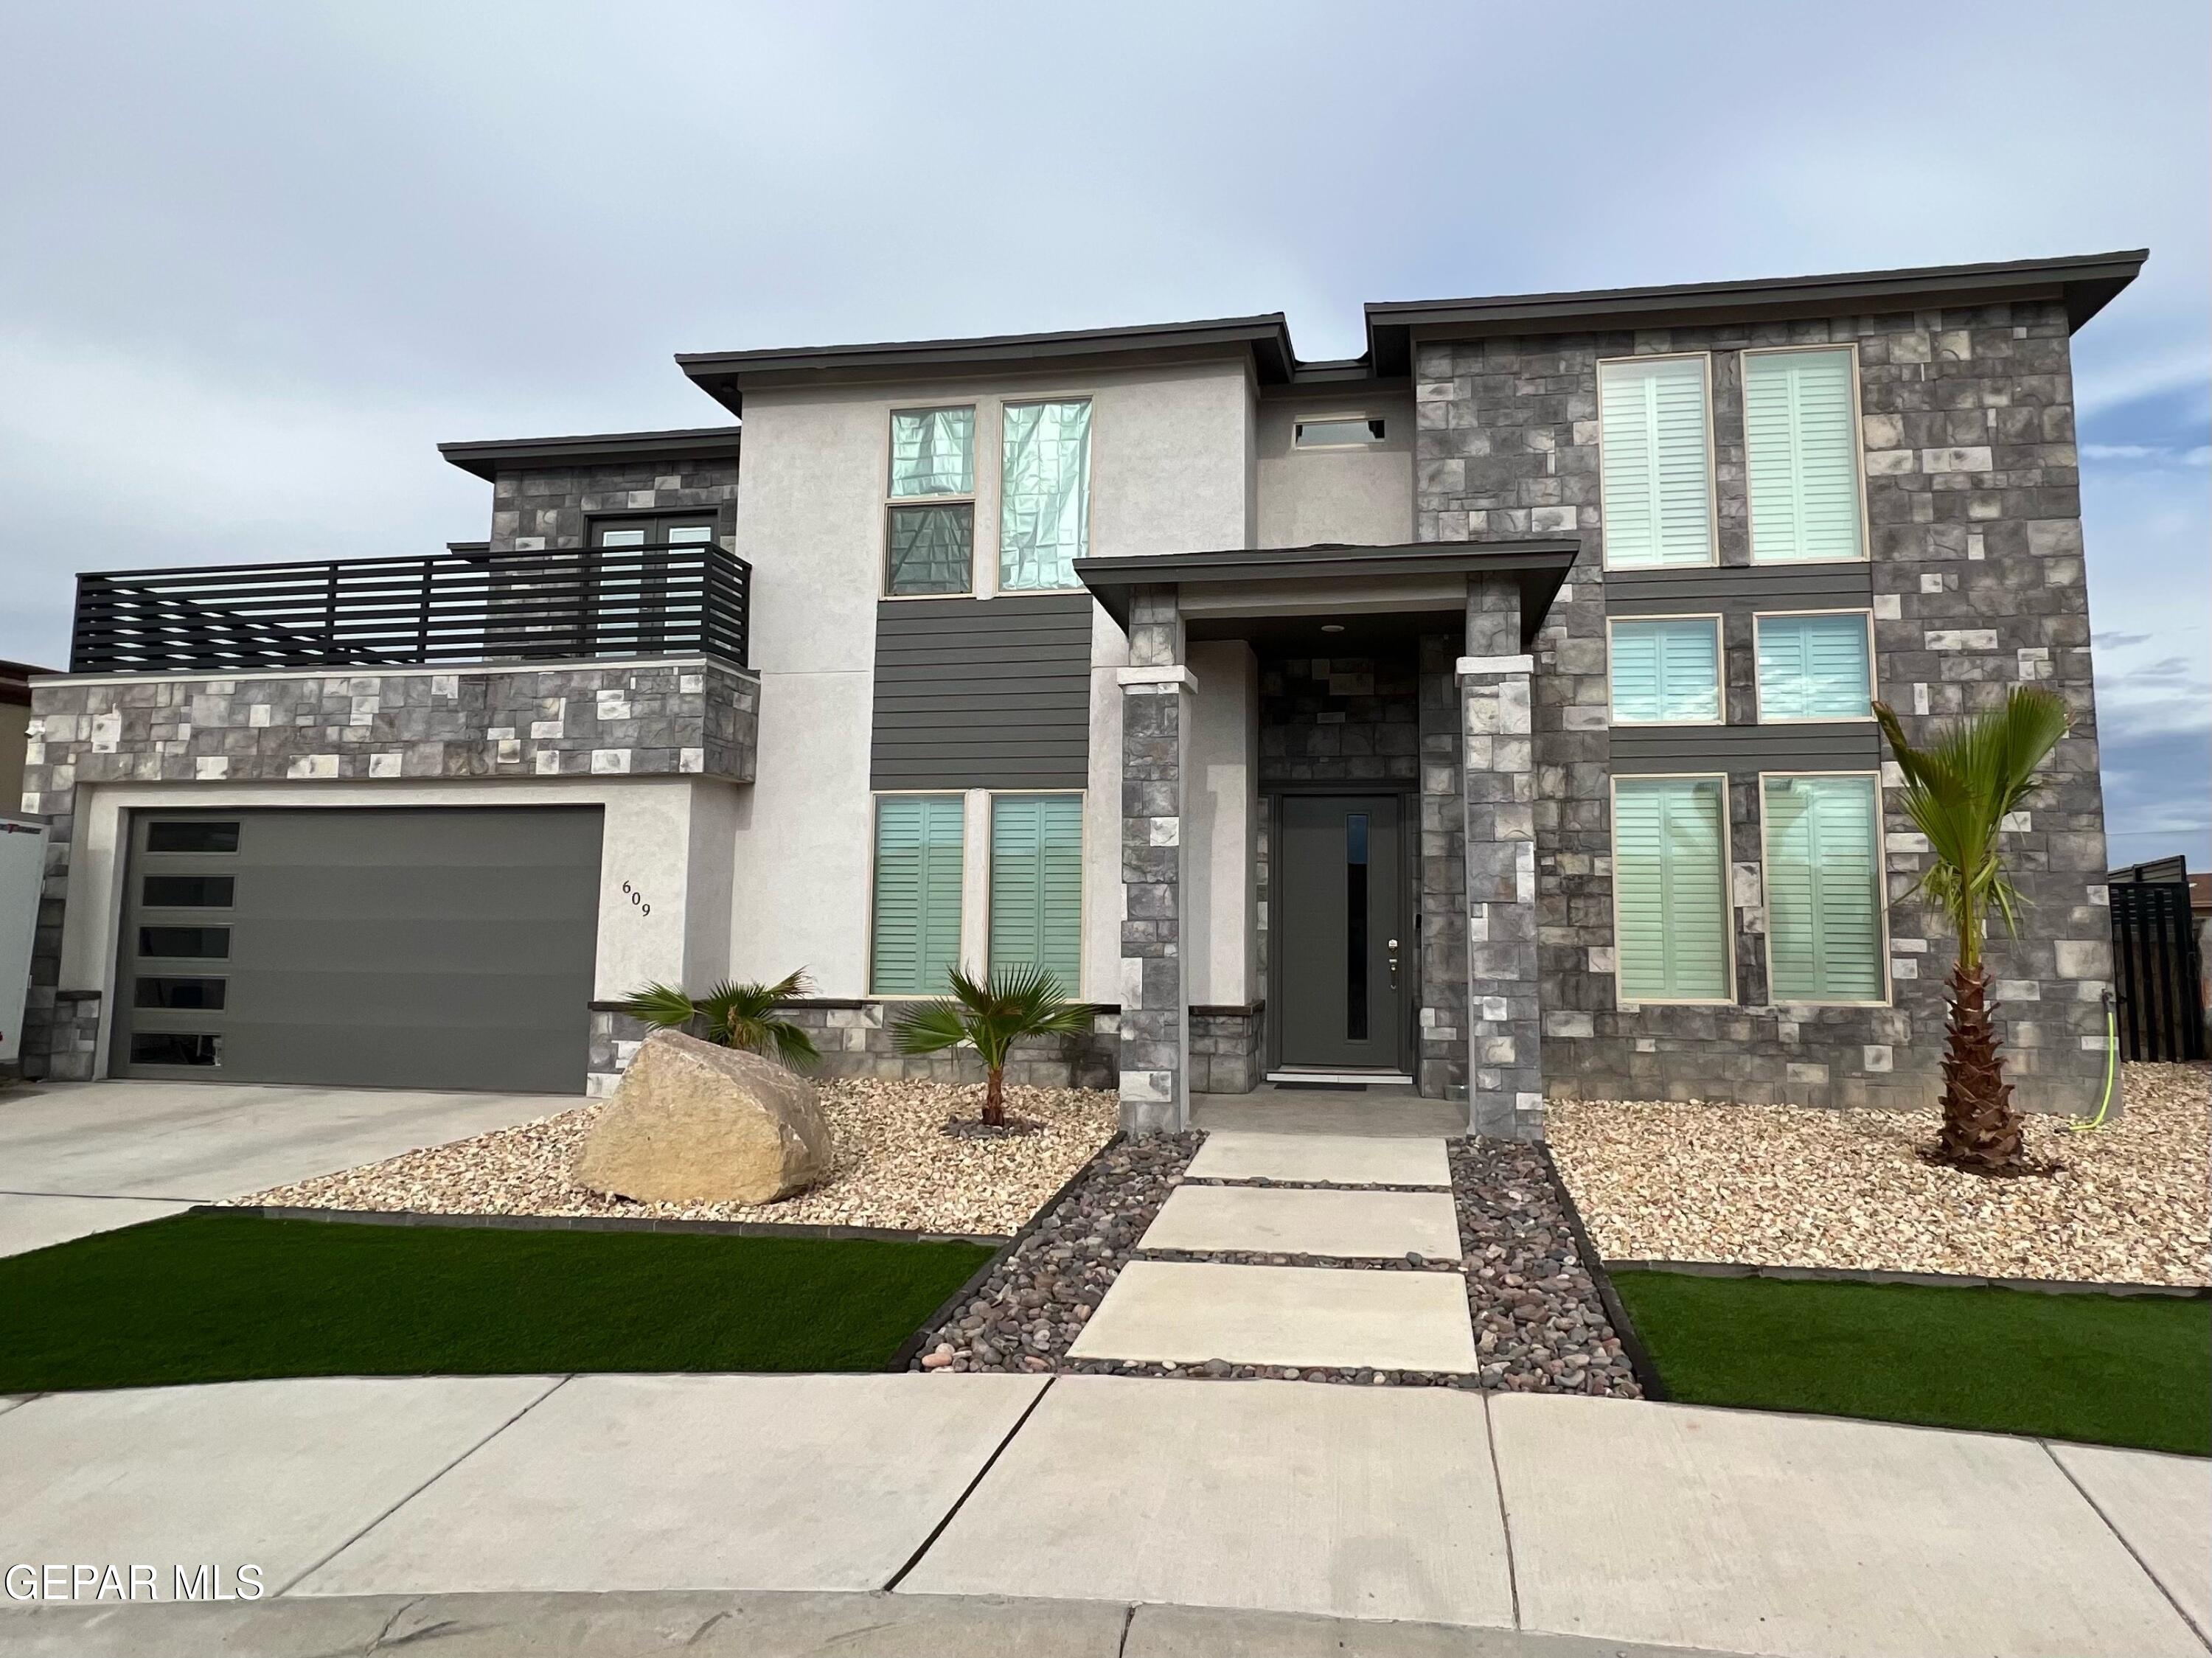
pixel 1865 554
pixel 1720 671
pixel 891 502
pixel 1758 685
pixel 1881 892
pixel 998 529
pixel 1727 885
pixel 991 797
pixel 1315 419
pixel 875 854
pixel 1712 465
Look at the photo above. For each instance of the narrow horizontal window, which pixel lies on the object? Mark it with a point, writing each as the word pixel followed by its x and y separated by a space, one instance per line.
pixel 206 943
pixel 919 854
pixel 1670 884
pixel 174 1047
pixel 1665 672
pixel 1044 495
pixel 1801 434
pixel 1036 884
pixel 1655 462
pixel 191 835
pixel 1361 432
pixel 1816 667
pixel 188 892
pixel 1823 868
pixel 207 993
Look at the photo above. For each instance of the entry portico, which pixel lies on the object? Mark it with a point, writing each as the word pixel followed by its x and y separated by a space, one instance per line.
pixel 1327 780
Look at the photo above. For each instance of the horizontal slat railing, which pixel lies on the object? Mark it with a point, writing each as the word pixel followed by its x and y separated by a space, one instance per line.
pixel 452 607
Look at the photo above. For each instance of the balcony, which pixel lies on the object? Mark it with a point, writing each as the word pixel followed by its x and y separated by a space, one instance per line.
pixel 566 605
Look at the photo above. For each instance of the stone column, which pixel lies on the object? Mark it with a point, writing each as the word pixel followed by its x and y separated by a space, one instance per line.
pixel 1505 1092
pixel 1156 689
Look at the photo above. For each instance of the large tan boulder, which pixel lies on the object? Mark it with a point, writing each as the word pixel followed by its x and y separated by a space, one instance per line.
pixel 692 1122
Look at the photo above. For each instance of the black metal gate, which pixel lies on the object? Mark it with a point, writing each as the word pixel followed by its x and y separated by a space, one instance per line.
pixel 2156 973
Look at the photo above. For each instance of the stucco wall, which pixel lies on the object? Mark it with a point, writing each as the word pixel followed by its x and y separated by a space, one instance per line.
pixel 1309 496
pixel 1221 821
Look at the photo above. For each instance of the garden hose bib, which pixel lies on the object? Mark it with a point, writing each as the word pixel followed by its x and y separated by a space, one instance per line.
pixel 2089 1125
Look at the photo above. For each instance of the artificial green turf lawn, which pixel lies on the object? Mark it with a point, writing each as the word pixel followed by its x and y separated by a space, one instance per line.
pixel 2106 1369
pixel 231 1297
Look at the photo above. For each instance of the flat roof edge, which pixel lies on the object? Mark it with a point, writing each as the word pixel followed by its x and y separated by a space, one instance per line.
pixel 486 457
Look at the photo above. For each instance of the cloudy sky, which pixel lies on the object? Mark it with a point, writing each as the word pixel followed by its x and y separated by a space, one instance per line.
pixel 256 260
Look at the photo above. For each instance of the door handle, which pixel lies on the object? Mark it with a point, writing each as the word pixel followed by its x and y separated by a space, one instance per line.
pixel 1393 963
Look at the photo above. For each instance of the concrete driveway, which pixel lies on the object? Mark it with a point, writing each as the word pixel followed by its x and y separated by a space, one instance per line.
pixel 82 1157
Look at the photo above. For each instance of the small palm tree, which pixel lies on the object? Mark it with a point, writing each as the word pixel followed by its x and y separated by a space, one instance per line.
pixel 1958 792
pixel 737 1015
pixel 991 1017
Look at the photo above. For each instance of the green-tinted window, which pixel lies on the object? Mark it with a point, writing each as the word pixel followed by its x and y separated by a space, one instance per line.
pixel 1670 881
pixel 1800 435
pixel 1823 890
pixel 1814 667
pixel 1655 462
pixel 1044 495
pixel 918 870
pixel 931 543
pixel 1036 884
pixel 1667 670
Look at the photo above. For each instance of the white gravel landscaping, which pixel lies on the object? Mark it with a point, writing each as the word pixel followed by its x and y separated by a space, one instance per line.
pixel 1788 1186
pixel 896 1167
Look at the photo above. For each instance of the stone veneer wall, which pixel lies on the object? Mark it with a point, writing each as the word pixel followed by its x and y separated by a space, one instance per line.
pixel 575 720
pixel 1227 1050
pixel 1339 719
pixel 553 506
pixel 1974 523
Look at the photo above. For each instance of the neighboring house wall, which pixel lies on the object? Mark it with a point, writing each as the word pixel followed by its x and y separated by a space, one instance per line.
pixel 1976 585
pixel 1361 496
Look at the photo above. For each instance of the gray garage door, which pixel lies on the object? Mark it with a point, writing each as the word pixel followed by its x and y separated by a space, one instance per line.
pixel 373 948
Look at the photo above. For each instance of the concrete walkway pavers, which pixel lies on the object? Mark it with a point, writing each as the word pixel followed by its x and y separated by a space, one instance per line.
pixel 1163 1312
pixel 2161 1506
pixel 277 1474
pixel 631 1482
pixel 1353 1502
pixel 1334 1159
pixel 1288 1220
pixel 1809 1537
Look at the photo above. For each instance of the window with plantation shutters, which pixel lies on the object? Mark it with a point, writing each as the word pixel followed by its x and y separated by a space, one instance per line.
pixel 1816 667
pixel 1036 884
pixel 1801 432
pixel 1672 938
pixel 917 904
pixel 1655 462
pixel 1666 671
pixel 1823 863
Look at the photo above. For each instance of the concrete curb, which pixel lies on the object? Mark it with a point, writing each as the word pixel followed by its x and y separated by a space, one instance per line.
pixel 742 1228
pixel 1926 1281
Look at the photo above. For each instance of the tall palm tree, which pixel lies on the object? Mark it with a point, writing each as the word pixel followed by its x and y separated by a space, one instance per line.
pixel 991 1016
pixel 1958 792
pixel 736 1016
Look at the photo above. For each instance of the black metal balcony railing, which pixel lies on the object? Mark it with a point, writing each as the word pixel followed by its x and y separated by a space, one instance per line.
pixel 671 600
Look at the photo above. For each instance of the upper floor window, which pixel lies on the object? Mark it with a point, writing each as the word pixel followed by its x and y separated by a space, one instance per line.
pixel 1044 495
pixel 930 533
pixel 1800 433
pixel 1338 432
pixel 1819 665
pixel 1665 671
pixel 1656 465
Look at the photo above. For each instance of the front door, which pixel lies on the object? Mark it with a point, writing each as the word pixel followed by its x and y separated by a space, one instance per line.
pixel 1340 919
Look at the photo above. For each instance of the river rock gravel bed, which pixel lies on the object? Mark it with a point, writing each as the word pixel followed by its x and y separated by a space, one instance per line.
pixel 1786 1186
pixel 895 1168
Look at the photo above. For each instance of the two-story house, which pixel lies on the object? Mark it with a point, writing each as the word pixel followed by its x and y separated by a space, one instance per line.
pixel 1490 711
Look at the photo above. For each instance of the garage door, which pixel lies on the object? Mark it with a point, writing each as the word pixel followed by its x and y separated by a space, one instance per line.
pixel 371 947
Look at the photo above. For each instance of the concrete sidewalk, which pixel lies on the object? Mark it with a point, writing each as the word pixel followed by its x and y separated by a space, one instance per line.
pixel 779 1509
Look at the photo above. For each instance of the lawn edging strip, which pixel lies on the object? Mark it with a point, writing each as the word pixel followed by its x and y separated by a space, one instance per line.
pixel 1631 1345
pixel 741 1229
pixel 1925 1280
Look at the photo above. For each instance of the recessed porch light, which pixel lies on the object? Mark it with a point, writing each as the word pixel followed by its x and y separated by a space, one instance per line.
pixel 1331 627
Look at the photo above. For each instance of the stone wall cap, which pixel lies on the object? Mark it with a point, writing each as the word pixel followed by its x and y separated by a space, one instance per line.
pixel 413 669
pixel 1177 674
pixel 1471 666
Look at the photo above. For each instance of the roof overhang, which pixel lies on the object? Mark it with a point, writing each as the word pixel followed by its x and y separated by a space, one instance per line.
pixel 1421 576
pixel 487 459
pixel 2086 283
pixel 726 375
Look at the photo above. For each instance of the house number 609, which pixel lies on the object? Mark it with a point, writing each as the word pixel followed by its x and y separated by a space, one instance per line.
pixel 637 899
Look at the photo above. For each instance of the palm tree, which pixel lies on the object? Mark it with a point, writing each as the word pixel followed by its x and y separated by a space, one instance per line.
pixel 1958 792
pixel 991 1017
pixel 737 1015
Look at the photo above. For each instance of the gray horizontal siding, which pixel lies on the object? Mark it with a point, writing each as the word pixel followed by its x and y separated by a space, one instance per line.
pixel 982 693
pixel 1740 589
pixel 1854 747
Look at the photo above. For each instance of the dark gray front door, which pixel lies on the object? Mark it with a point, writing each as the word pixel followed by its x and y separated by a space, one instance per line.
pixel 1340 919
pixel 371 947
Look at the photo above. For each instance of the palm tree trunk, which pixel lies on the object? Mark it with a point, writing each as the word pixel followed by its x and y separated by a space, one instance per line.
pixel 995 1096
pixel 1981 1132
